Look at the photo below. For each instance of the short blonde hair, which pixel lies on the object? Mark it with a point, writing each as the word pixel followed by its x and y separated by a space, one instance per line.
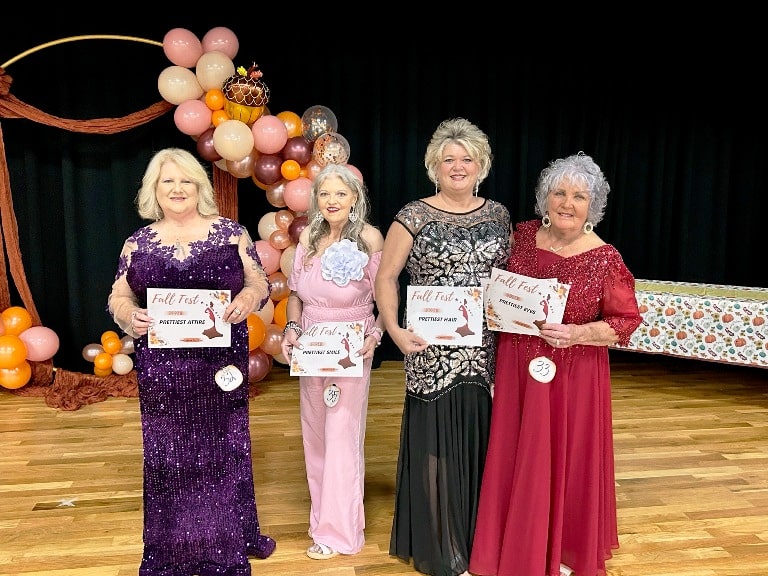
pixel 146 199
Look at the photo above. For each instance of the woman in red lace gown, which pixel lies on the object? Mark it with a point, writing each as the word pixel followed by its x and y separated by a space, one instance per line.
pixel 547 502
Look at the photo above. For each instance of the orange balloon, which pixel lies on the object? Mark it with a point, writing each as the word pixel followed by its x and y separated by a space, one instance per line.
pixel 112 345
pixel 218 117
pixel 13 351
pixel 108 335
pixel 290 169
pixel 292 121
pixel 102 372
pixel 16 377
pixel 103 361
pixel 2 327
pixel 16 319
pixel 256 331
pixel 215 99
pixel 280 318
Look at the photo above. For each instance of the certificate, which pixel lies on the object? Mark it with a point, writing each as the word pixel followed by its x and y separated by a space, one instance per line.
pixel 187 318
pixel 329 349
pixel 450 315
pixel 520 304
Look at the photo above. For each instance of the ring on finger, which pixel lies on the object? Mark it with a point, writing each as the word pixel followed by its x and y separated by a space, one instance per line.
pixel 557 342
pixel 237 311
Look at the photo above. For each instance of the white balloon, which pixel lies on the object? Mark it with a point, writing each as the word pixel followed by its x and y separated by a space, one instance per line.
pixel 121 364
pixel 177 84
pixel 233 140
pixel 213 69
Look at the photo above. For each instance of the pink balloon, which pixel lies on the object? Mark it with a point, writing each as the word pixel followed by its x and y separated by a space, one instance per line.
pixel 42 343
pixel 266 169
pixel 269 134
pixel 355 171
pixel 297 148
pixel 192 117
pixel 269 255
pixel 205 146
pixel 313 169
pixel 259 365
pixel 182 47
pixel 297 193
pixel 221 39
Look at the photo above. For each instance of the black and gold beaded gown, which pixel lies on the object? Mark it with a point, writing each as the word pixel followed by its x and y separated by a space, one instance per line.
pixel 200 513
pixel 446 417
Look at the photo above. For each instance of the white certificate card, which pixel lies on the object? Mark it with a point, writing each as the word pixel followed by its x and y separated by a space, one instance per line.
pixel 329 349
pixel 520 304
pixel 448 315
pixel 187 318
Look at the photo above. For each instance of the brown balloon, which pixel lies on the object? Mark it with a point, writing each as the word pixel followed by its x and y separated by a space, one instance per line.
pixel 205 146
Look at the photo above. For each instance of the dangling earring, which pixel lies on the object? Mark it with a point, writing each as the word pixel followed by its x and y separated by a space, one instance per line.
pixel 318 217
pixel 352 215
pixel 437 190
pixel 588 227
pixel 477 187
pixel 546 221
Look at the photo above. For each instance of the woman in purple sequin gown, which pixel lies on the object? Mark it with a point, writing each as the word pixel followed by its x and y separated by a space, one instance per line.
pixel 200 513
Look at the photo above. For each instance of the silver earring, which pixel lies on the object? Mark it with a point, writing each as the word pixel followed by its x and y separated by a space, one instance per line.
pixel 318 217
pixel 477 187
pixel 437 190
pixel 546 221
pixel 352 215
pixel 588 227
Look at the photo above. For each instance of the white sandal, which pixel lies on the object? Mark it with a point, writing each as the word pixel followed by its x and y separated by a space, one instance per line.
pixel 321 552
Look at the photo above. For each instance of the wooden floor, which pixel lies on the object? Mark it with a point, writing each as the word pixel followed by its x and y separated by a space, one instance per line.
pixel 691 455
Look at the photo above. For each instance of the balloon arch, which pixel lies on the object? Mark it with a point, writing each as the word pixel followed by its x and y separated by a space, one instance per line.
pixel 225 111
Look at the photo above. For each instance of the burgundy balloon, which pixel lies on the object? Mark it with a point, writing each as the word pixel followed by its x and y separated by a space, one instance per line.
pixel 259 365
pixel 297 148
pixel 205 146
pixel 266 168
pixel 295 228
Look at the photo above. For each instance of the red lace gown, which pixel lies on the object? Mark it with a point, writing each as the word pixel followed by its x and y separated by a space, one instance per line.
pixel 548 493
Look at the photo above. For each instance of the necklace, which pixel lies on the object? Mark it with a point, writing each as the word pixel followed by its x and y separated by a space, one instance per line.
pixel 556 250
pixel 179 249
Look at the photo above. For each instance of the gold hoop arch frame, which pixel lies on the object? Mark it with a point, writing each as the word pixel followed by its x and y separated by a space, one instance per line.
pixel 76 39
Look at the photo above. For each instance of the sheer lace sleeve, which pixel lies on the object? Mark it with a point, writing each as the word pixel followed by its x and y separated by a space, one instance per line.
pixel 122 301
pixel 620 309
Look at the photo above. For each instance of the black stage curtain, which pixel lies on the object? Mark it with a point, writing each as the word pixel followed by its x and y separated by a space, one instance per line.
pixel 681 139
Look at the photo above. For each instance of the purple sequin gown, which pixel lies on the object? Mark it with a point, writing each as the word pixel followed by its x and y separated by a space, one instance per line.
pixel 199 503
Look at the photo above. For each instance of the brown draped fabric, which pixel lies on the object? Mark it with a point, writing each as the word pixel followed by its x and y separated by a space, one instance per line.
pixel 61 388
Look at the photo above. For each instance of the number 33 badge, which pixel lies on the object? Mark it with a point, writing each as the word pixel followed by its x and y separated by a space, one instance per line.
pixel 542 369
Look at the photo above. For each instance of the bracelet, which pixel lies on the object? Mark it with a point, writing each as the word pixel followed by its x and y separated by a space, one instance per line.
pixel 376 330
pixel 295 326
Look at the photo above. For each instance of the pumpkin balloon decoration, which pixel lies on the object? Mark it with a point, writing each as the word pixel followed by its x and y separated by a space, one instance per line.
pixel 246 94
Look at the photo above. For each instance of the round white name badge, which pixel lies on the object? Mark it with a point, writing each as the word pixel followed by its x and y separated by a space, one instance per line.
pixel 542 369
pixel 331 395
pixel 229 378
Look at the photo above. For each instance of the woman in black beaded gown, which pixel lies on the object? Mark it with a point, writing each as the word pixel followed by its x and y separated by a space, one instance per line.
pixel 200 513
pixel 453 238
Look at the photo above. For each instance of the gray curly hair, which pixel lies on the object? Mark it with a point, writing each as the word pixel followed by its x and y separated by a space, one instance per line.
pixel 578 169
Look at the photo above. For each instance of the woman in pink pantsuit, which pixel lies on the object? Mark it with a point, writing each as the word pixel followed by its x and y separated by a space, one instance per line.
pixel 332 280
